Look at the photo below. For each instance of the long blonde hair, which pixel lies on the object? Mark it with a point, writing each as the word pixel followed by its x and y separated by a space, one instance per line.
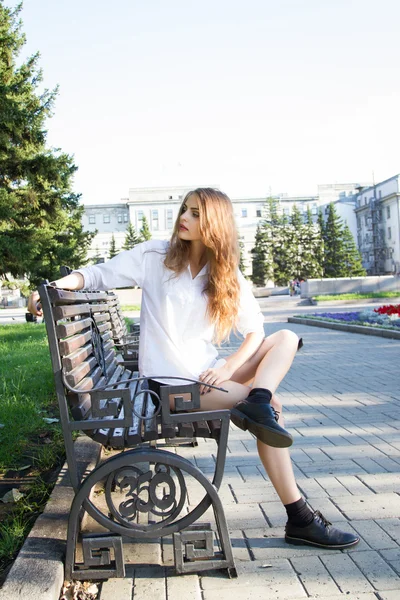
pixel 219 235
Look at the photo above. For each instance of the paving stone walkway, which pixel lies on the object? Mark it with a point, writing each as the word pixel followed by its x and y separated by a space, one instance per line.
pixel 342 404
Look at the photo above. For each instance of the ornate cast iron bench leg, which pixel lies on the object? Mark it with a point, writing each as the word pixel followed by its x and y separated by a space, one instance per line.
pixel 130 490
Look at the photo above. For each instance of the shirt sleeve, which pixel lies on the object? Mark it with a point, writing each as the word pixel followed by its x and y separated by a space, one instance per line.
pixel 124 270
pixel 250 318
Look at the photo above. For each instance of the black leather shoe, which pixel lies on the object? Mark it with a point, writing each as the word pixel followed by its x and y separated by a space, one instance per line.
pixel 320 533
pixel 261 420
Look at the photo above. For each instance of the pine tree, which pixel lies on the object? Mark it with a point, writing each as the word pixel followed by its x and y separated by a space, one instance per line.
pixel 352 265
pixel 144 231
pixel 131 238
pixel 333 243
pixel 40 218
pixel 242 262
pixel 261 263
pixel 97 258
pixel 113 250
pixel 320 221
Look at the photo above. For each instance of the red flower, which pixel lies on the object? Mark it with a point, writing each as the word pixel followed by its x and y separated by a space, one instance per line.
pixel 390 309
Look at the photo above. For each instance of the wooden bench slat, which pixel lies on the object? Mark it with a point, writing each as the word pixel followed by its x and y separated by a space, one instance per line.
pixel 185 430
pixel 74 359
pixel 71 344
pixel 59 296
pixel 77 374
pixel 64 312
pixel 215 428
pixel 64 330
pixel 201 429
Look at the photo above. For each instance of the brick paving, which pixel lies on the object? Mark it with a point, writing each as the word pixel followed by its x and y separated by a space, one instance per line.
pixel 342 404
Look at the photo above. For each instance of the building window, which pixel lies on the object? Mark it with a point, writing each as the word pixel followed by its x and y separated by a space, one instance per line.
pixel 366 220
pixel 140 215
pixel 389 233
pixel 154 220
pixel 126 218
pixel 244 212
pixel 380 193
pixel 258 213
pixel 106 218
pixel 358 223
pixel 92 219
pixel 169 218
pixel 119 218
pixel 388 212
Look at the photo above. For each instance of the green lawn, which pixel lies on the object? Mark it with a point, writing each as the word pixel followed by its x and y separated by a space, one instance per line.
pixel 357 296
pixel 26 390
pixel 31 447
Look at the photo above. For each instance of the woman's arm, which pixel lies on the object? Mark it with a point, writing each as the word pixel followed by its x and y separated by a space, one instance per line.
pixel 74 281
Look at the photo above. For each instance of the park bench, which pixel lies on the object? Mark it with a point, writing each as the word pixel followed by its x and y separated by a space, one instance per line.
pixel 144 487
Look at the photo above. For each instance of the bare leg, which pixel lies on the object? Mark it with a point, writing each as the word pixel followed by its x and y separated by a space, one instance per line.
pixel 278 465
pixel 266 368
pixel 269 365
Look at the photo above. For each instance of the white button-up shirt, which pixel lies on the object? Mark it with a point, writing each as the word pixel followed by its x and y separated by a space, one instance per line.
pixel 175 332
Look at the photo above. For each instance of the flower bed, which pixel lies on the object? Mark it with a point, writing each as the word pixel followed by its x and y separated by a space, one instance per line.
pixel 387 317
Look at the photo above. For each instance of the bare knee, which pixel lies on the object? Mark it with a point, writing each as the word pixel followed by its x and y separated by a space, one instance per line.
pixel 288 337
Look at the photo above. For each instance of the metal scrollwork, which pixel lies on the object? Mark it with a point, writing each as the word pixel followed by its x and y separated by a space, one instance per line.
pixel 145 491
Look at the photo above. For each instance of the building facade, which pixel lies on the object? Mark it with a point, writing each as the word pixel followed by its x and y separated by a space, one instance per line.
pixel 378 226
pixel 371 211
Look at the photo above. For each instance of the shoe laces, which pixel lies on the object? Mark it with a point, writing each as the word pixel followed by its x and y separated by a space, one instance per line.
pixel 321 517
pixel 276 413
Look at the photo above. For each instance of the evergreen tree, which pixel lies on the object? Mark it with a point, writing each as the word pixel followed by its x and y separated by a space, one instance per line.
pixel 97 258
pixel 113 250
pixel 320 221
pixel 242 262
pixel 333 243
pixel 352 264
pixel 131 238
pixel 261 263
pixel 144 231
pixel 40 218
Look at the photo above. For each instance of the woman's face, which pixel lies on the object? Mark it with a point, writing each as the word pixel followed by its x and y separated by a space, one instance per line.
pixel 189 222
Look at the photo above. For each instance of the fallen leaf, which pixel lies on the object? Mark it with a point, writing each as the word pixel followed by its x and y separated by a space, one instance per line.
pixel 12 496
pixel 50 421
pixel 24 467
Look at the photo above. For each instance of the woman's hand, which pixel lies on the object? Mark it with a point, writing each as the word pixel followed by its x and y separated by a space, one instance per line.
pixel 215 377
pixel 34 305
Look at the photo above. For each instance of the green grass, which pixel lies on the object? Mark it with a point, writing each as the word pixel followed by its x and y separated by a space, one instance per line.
pixel 26 440
pixel 129 307
pixel 357 296
pixel 26 390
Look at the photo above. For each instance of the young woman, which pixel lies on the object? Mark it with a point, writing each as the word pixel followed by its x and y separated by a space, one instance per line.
pixel 194 296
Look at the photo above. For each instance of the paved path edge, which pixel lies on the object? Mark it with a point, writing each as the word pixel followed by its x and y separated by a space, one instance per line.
pixel 386 333
pixel 38 570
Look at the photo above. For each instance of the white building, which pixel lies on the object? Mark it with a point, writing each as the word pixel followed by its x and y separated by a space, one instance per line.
pixel 161 205
pixel 353 202
pixel 378 226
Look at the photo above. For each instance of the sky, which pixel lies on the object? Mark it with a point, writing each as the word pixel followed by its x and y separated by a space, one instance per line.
pixel 257 96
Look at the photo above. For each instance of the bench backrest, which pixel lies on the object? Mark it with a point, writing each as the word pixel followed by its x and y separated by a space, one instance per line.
pixel 81 344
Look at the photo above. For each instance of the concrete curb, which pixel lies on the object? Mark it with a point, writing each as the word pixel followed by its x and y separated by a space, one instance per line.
pixel 38 570
pixel 386 333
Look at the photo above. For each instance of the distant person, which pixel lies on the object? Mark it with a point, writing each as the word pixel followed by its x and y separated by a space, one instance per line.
pixel 194 296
